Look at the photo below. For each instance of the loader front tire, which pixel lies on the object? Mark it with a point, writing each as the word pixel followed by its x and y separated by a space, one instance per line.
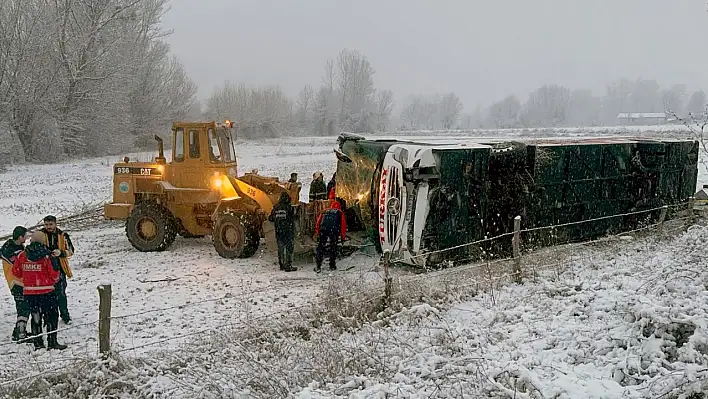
pixel 235 236
pixel 150 227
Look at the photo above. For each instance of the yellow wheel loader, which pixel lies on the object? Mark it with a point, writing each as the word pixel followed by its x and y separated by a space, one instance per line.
pixel 198 193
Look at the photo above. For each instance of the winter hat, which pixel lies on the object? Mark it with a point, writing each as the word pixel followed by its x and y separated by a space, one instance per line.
pixel 18 232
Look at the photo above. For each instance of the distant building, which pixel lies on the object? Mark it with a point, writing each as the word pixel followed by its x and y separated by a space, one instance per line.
pixel 642 118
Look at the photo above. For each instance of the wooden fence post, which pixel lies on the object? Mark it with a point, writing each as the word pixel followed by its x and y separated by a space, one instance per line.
pixel 104 319
pixel 662 217
pixel 516 247
pixel 691 213
pixel 387 278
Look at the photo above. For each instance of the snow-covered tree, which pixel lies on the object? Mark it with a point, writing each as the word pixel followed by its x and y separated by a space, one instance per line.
pixel 449 110
pixel 305 107
pixel 411 114
pixel 616 100
pixel 431 111
pixel 354 87
pixel 673 99
pixel 86 76
pixel 257 111
pixel 384 108
pixel 697 103
pixel 547 106
pixel 584 109
pixel 505 113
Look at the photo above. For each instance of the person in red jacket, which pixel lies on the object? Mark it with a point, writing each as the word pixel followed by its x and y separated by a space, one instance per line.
pixel 330 226
pixel 39 275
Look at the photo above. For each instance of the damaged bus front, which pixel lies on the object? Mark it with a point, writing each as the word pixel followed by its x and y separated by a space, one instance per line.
pixel 412 198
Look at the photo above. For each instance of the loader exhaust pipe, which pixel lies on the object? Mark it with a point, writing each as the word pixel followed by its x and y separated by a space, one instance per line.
pixel 161 151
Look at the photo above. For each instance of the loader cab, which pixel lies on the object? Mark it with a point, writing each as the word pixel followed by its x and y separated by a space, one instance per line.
pixel 199 152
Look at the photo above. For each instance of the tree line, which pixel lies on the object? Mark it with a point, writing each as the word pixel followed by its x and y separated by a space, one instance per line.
pixel 558 106
pixel 89 77
pixel 93 77
pixel 346 100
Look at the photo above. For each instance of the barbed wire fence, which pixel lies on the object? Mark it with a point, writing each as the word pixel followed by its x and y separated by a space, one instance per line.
pixel 371 291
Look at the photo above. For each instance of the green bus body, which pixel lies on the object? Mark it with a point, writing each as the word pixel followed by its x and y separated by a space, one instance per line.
pixel 475 188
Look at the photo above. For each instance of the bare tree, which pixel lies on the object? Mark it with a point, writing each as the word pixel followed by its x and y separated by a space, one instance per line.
pixel 162 93
pixel 673 99
pixel 422 112
pixel 258 112
pixel 324 118
pixel 355 86
pixel 584 109
pixel 87 76
pixel 505 113
pixel 697 124
pixel 449 110
pixel 697 103
pixel 546 107
pixel 412 113
pixel 305 107
pixel 384 107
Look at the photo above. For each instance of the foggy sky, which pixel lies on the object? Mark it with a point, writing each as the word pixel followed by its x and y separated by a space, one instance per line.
pixel 481 49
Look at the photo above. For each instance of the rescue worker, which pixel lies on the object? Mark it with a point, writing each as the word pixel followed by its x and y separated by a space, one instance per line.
pixel 283 217
pixel 9 251
pixel 331 186
pixel 330 226
pixel 40 277
pixel 318 188
pixel 293 182
pixel 61 246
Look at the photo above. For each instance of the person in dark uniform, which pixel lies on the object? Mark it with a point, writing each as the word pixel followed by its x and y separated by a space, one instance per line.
pixel 283 217
pixel 62 248
pixel 318 188
pixel 330 226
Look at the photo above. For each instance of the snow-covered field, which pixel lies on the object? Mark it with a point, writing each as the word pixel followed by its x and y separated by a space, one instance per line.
pixel 103 254
pixel 606 324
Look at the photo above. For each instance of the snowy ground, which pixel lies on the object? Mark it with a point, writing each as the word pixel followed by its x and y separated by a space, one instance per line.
pixel 220 294
pixel 627 320
pixel 199 276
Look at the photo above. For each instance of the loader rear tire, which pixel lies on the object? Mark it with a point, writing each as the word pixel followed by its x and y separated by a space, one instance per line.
pixel 234 236
pixel 150 227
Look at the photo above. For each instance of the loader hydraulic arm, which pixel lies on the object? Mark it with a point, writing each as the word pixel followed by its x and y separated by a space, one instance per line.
pixel 246 190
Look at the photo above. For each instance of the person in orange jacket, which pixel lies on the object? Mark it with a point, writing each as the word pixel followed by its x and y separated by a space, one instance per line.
pixel 39 276
pixel 330 226
pixel 9 252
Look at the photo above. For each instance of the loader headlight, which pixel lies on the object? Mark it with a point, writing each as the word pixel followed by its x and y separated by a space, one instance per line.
pixel 217 182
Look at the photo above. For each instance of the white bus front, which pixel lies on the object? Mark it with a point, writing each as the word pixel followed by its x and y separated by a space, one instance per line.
pixel 423 189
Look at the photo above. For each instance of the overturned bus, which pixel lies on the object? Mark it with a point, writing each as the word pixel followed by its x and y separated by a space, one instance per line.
pixel 426 199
